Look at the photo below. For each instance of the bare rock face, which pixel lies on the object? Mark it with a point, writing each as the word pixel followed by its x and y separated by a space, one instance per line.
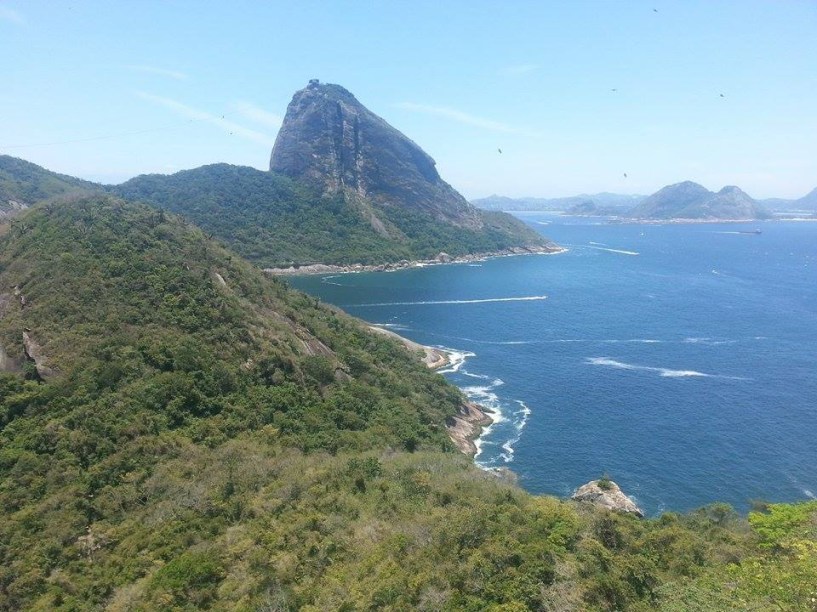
pixel 466 426
pixel 332 141
pixel 606 494
pixel 35 352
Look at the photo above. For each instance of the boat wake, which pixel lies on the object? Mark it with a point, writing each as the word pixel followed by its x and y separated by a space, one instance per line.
pixel 620 251
pixel 664 372
pixel 527 298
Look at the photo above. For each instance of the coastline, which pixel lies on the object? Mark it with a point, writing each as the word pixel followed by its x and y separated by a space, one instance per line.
pixel 465 427
pixel 442 258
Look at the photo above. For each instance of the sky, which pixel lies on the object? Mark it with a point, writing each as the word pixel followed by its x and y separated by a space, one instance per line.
pixel 575 93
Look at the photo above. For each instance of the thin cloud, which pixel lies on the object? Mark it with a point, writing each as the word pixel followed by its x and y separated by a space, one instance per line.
pixel 199 115
pixel 173 74
pixel 521 69
pixel 458 116
pixel 9 14
pixel 257 114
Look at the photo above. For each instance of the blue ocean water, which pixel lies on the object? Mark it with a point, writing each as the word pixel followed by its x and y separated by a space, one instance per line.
pixel 679 359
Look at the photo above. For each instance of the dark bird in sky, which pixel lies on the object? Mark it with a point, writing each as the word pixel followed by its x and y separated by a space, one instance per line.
pixel 500 151
pixel 614 89
pixel 655 10
pixel 723 96
pixel 625 175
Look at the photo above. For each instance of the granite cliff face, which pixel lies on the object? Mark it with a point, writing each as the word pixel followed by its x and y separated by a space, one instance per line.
pixel 332 141
pixel 690 200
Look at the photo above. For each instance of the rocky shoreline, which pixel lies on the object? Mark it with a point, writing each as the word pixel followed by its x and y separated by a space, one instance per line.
pixel 442 258
pixel 434 358
pixel 467 425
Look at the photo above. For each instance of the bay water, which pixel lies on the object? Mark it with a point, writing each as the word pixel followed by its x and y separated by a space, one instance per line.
pixel 679 359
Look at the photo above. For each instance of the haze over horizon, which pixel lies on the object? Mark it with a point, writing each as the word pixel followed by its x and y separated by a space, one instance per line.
pixel 575 96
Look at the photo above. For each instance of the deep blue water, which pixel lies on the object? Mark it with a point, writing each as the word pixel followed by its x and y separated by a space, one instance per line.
pixel 679 359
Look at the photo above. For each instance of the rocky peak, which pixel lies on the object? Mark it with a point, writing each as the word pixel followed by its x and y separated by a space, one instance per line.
pixel 330 140
pixel 607 494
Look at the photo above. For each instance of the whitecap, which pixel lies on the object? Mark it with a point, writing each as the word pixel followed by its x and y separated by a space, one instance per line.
pixel 455 359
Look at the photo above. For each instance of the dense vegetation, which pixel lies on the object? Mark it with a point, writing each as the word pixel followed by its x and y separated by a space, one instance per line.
pixel 28 183
pixel 275 221
pixel 214 440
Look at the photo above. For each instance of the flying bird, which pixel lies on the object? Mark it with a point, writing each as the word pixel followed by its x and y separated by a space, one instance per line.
pixel 625 175
pixel 723 96
pixel 614 89
pixel 500 151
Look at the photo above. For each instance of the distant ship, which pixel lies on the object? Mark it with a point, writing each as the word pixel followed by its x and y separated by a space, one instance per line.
pixel 751 232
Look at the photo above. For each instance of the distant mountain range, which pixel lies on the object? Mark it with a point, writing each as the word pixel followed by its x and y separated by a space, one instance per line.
pixel 686 200
pixel 607 200
pixel 808 203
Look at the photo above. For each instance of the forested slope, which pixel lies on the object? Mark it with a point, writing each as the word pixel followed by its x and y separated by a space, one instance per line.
pixel 186 433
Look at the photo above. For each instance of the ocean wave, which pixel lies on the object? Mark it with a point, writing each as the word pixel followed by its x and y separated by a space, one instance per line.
pixel 526 298
pixel 456 359
pixel 664 372
pixel 520 419
pixel 510 417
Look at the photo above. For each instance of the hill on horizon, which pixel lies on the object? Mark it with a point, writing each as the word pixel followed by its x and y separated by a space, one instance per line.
pixel 22 184
pixel 600 200
pixel 689 200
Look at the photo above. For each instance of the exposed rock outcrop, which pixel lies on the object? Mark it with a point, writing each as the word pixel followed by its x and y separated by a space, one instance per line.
pixel 11 208
pixel 332 141
pixel 606 494
pixel 35 352
pixel 466 427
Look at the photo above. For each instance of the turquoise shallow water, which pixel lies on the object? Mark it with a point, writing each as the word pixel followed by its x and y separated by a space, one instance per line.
pixel 680 359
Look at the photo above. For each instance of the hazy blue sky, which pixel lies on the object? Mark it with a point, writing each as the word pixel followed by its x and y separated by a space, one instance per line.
pixel 574 93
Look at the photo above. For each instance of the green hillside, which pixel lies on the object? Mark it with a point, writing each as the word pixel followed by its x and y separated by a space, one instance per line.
pixel 275 221
pixel 206 438
pixel 26 183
